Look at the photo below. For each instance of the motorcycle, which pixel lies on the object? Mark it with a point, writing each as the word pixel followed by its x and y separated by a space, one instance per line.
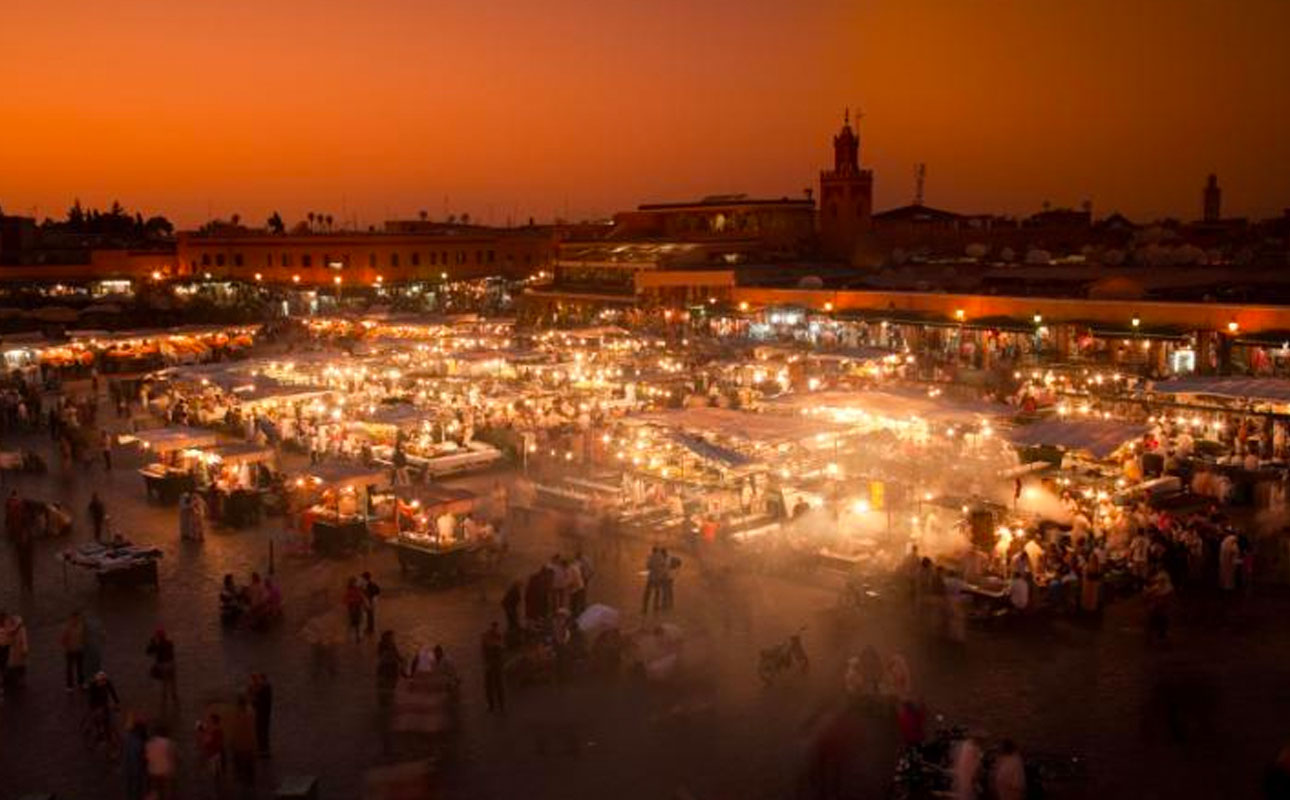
pixel 785 657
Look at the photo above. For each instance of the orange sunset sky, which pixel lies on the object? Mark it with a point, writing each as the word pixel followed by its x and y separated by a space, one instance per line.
pixel 512 108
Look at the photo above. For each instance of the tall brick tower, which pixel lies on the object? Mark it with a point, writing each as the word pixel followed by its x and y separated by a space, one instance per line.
pixel 846 196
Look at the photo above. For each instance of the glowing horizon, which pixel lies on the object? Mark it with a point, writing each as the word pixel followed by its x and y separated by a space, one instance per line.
pixel 577 109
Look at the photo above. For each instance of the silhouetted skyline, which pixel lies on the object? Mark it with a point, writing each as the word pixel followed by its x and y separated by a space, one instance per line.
pixel 573 108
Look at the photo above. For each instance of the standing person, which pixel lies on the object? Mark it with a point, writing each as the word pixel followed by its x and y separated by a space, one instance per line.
pixel 670 565
pixel 73 642
pixel 1229 560
pixel 1008 778
pixel 559 583
pixel 654 567
pixel 370 593
pixel 162 650
pixel 511 606
pixel 1090 600
pixel 389 668
pixel 105 444
pixel 210 742
pixel 577 588
pixel 159 755
pixel 355 602
pixel 1159 592
pixel 262 703
pixel 134 763
pixel 26 549
pixel 185 516
pixel 13 514
pixel 98 512
pixel 241 742
pixel 493 651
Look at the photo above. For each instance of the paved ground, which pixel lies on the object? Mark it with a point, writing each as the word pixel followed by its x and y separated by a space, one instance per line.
pixel 1095 691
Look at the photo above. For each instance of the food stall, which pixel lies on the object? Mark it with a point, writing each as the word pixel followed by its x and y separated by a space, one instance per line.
pixel 437 537
pixel 238 477
pixel 177 448
pixel 340 498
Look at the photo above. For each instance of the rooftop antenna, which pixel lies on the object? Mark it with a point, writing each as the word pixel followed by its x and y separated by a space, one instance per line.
pixel 920 178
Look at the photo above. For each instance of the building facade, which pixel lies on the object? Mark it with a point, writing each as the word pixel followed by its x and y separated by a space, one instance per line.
pixel 430 254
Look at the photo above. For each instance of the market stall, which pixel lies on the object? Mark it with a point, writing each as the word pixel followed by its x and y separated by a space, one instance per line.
pixel 337 502
pixel 438 537
pixel 177 449
pixel 237 478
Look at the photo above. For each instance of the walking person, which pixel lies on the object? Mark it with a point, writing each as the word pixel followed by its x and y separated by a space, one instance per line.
pixel 241 743
pixel 370 593
pixel 159 755
pixel 105 444
pixel 73 642
pixel 162 650
pixel 511 606
pixel 493 651
pixel 389 668
pixel 134 762
pixel 98 512
pixel 210 743
pixel 355 602
pixel 262 703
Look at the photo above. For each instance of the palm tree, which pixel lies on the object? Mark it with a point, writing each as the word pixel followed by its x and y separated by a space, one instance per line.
pixel 423 214
pixel 235 219
pixel 329 222
pixel 310 217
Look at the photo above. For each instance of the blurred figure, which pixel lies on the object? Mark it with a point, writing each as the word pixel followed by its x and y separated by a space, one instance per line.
pixel 159 755
pixel 162 650
pixel 73 642
pixel 1008 778
pixel 493 652
pixel 966 769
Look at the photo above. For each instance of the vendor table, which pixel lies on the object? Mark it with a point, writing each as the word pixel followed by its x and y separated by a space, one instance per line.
pixel 117 565
pixel 166 485
pixel 439 564
pixel 339 537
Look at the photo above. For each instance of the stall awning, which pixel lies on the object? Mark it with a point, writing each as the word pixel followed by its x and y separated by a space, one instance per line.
pixel 1271 389
pixel 164 440
pixel 236 453
pixel 341 475
pixel 1098 437
pixel 895 404
pixel 711 452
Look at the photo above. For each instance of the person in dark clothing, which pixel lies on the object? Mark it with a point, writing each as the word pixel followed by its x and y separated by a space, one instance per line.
pixel 494 684
pixel 102 699
pixel 389 668
pixel 261 692
pixel 371 591
pixel 25 545
pixel 511 605
pixel 162 650
pixel 98 512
